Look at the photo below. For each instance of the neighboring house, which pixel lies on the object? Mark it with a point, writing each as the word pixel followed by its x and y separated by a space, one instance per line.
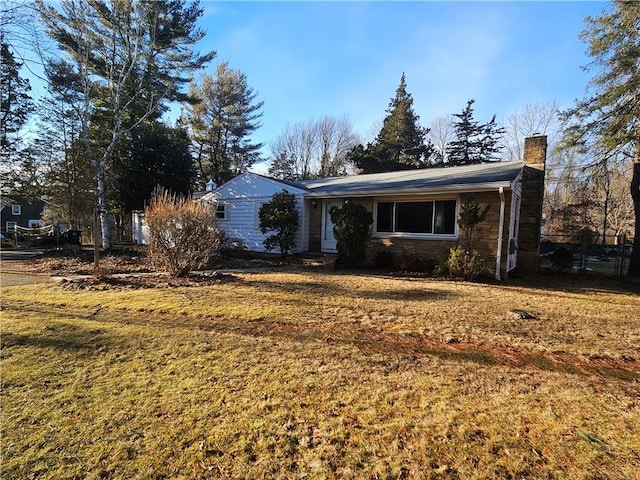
pixel 415 211
pixel 21 213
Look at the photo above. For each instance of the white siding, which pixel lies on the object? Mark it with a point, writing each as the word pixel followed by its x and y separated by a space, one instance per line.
pixel 242 197
pixel 139 228
pixel 251 186
pixel 242 226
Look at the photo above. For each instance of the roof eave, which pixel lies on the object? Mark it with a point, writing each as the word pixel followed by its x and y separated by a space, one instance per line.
pixel 471 188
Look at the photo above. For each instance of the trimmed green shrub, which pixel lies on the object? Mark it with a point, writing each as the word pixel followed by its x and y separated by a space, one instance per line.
pixel 281 217
pixel 351 228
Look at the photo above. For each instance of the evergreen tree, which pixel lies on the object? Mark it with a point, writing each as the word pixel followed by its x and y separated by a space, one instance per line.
pixel 475 142
pixel 610 117
pixel 352 230
pixel 15 107
pixel 280 216
pixel 127 54
pixel 221 124
pixel 151 155
pixel 401 143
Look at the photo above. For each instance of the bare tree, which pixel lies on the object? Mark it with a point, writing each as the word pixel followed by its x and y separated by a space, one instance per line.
pixel 336 138
pixel 533 119
pixel 313 149
pixel 613 210
pixel 441 133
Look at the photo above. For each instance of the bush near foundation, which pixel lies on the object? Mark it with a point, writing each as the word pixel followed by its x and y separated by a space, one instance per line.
pixel 279 217
pixel 464 261
pixel 183 235
pixel 352 229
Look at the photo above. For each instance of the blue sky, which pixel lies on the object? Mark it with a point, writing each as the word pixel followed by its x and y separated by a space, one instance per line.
pixel 310 59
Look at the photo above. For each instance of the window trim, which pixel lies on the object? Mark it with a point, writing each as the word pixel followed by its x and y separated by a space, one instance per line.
pixel 10 226
pixel 421 236
pixel 16 210
pixel 225 212
pixel 257 206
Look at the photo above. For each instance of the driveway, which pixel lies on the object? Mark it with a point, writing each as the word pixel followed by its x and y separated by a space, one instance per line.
pixel 12 268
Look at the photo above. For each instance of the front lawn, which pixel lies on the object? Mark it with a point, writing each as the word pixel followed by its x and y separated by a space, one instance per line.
pixel 320 375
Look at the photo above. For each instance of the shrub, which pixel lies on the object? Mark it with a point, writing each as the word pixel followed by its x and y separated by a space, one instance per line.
pixel 280 216
pixel 183 235
pixel 462 264
pixel 562 260
pixel 351 228
pixel 410 262
pixel 383 259
pixel 463 261
pixel 469 218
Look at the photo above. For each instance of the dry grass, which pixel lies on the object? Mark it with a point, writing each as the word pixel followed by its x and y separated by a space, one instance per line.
pixel 312 375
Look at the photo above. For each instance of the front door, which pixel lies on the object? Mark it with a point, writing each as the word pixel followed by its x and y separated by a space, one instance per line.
pixel 329 243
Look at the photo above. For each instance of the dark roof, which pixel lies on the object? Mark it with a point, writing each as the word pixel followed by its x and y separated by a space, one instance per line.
pixel 449 178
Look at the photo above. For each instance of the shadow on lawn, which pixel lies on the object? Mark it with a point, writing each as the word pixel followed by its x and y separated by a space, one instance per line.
pixel 58 337
pixel 56 334
pixel 345 290
pixel 574 283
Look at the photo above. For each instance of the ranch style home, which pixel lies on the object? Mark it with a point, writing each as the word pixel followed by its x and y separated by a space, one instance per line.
pixel 415 211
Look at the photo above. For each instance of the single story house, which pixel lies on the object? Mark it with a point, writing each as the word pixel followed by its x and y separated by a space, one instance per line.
pixel 415 211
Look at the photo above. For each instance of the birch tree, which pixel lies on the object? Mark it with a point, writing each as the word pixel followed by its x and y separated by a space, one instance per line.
pixel 127 54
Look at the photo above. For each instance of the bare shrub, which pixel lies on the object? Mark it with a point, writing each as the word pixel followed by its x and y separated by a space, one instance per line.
pixel 183 234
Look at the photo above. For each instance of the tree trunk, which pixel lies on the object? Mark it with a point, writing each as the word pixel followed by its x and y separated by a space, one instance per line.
pixel 102 206
pixel 634 265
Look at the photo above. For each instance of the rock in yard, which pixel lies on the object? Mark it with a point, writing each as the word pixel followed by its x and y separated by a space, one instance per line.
pixel 516 314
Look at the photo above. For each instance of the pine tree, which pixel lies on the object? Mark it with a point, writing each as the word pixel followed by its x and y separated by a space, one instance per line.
pixel 475 142
pixel 401 143
pixel 401 134
pixel 610 117
pixel 134 54
pixel 221 124
pixel 15 107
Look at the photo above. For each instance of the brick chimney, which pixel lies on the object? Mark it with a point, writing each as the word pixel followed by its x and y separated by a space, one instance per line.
pixel 535 156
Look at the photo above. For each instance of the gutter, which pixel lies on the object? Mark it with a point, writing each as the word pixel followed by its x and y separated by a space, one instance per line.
pixel 500 233
pixel 457 188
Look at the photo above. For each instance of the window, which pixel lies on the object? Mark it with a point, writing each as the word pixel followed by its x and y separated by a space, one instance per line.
pixel 11 226
pixel 16 210
pixel 221 212
pixel 424 218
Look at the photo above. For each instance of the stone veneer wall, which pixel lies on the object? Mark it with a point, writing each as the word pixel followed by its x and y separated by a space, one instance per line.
pixel 486 237
pixel 535 155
